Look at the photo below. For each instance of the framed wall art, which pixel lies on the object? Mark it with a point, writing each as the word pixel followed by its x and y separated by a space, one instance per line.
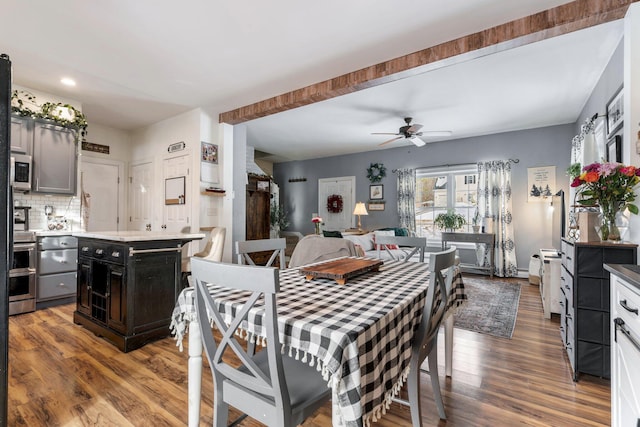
pixel 614 149
pixel 375 206
pixel 615 114
pixel 376 192
pixel 209 162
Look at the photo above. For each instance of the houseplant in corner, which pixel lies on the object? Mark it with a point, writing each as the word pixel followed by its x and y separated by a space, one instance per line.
pixel 449 221
pixel 278 219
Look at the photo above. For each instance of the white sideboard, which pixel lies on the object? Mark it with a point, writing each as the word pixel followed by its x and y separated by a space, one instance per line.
pixel 550 262
pixel 625 347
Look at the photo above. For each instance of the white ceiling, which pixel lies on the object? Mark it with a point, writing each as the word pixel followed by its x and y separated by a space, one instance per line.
pixel 143 61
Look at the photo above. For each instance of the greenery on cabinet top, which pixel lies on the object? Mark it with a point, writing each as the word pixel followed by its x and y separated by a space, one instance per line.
pixel 24 104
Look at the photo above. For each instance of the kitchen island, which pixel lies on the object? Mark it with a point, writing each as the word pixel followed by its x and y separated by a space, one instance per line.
pixel 128 283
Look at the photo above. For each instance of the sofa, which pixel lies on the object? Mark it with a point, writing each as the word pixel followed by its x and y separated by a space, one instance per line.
pixel 366 243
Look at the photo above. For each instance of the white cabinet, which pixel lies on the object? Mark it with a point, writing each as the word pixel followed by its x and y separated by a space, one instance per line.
pixel 54 159
pixel 550 263
pixel 625 352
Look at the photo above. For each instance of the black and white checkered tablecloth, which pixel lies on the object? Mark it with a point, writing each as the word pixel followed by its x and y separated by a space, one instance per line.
pixel 358 335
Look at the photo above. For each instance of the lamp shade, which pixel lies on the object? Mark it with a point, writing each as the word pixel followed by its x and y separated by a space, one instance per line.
pixel 360 209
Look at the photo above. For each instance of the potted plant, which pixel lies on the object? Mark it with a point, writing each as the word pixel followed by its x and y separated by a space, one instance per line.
pixel 476 221
pixel 449 221
pixel 278 219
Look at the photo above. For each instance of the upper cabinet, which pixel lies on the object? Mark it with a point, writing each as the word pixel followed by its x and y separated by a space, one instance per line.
pixel 54 159
pixel 21 135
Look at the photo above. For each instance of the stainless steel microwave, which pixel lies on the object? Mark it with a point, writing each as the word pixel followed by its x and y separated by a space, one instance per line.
pixel 21 172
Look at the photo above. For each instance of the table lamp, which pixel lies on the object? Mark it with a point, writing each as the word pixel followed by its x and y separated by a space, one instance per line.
pixel 360 210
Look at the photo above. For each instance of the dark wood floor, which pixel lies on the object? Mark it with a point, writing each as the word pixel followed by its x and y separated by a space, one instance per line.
pixel 62 375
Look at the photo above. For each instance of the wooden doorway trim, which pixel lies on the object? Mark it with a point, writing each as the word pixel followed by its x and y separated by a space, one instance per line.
pixel 574 16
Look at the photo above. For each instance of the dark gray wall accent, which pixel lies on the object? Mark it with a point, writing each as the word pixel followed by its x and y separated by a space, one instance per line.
pixel 239 186
pixel 534 147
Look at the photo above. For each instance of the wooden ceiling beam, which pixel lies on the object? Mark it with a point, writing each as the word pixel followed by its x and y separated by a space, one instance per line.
pixel 550 23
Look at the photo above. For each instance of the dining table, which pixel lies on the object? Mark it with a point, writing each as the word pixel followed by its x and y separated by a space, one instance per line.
pixel 358 334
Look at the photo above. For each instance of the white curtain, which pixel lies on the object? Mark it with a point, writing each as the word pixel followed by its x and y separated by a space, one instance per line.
pixel 407 198
pixel 494 203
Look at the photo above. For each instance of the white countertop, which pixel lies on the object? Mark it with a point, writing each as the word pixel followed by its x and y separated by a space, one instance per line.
pixel 45 233
pixel 138 236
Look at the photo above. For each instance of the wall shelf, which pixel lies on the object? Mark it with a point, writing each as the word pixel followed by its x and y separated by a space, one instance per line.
pixel 213 193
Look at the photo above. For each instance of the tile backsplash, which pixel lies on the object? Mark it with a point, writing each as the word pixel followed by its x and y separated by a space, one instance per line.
pixel 66 206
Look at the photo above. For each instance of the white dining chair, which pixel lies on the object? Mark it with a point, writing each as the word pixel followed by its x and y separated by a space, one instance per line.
pixel 245 248
pixel 269 386
pixel 441 266
pixel 212 251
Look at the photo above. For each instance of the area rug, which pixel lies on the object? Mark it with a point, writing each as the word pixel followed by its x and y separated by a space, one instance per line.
pixel 491 307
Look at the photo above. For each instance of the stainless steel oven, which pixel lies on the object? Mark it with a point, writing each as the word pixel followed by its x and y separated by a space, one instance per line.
pixel 22 275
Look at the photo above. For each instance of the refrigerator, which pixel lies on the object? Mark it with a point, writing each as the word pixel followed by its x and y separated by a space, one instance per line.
pixel 6 228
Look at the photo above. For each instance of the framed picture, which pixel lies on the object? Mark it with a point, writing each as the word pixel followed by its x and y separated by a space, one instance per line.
pixel 614 149
pixel 615 114
pixel 209 153
pixel 376 192
pixel 376 206
pixel 262 185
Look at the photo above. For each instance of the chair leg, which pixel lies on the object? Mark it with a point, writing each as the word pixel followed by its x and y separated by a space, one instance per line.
pixel 435 381
pixel 220 409
pixel 413 390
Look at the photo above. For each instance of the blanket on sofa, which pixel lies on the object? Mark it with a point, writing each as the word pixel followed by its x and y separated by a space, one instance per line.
pixel 317 248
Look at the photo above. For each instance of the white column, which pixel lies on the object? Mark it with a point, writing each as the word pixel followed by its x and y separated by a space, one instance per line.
pixel 631 99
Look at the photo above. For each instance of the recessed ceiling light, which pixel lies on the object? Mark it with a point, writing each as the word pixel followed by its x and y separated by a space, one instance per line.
pixel 67 81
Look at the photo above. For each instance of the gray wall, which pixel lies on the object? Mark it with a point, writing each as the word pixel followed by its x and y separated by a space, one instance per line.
pixel 534 147
pixel 608 85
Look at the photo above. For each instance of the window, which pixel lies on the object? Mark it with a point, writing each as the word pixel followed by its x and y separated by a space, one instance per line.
pixel 439 190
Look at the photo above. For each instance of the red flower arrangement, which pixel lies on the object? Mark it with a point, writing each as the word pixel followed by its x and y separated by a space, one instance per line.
pixel 609 186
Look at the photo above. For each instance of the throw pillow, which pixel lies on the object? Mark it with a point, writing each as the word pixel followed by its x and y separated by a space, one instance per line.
pixel 365 241
pixel 399 231
pixel 332 234
pixel 384 233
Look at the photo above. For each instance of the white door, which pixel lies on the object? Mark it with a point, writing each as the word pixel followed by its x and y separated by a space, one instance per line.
pixel 176 216
pixel 343 186
pixel 100 183
pixel 140 195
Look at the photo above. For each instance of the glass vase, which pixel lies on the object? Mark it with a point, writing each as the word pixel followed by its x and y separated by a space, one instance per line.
pixel 317 224
pixel 613 223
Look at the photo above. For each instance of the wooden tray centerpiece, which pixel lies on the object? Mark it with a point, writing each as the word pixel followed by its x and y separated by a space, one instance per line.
pixel 341 269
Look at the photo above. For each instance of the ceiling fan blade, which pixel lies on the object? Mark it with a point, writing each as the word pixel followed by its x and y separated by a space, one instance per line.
pixel 417 141
pixel 391 140
pixel 384 133
pixel 414 128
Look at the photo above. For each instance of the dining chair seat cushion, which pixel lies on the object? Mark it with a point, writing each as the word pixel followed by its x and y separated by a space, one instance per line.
pixel 303 382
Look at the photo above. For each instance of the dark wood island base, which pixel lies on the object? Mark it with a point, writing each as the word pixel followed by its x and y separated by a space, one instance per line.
pixel 128 283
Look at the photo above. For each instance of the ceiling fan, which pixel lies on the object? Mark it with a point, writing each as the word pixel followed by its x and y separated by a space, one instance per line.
pixel 412 133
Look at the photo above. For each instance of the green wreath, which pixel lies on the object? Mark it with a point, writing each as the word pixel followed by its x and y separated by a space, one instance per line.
pixel 375 172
